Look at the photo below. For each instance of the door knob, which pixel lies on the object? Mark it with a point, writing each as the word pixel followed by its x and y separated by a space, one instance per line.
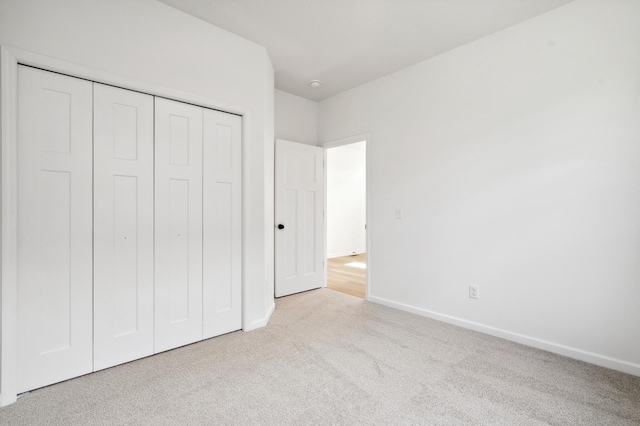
pixel 281 226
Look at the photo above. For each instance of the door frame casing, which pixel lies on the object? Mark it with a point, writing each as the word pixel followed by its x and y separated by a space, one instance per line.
pixel 333 144
pixel 10 58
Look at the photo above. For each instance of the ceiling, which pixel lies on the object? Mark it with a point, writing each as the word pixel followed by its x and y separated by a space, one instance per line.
pixel 346 43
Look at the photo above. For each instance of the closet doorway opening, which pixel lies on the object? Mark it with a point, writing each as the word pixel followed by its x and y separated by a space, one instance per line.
pixel 346 217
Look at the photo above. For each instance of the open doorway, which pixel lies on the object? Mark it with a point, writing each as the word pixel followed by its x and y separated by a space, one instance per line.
pixel 346 218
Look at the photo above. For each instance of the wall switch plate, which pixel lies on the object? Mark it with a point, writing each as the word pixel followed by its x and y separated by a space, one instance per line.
pixel 398 213
pixel 474 291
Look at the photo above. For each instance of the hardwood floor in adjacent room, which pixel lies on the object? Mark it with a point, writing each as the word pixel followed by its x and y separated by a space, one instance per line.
pixel 348 279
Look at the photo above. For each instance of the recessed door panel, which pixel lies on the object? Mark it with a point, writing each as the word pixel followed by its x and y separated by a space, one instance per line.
pixel 55 258
pixel 309 236
pixel 290 235
pixel 126 130
pixel 54 228
pixel 178 250
pixel 126 283
pixel 178 233
pixel 55 114
pixel 221 223
pixel 222 256
pixel 179 139
pixel 123 225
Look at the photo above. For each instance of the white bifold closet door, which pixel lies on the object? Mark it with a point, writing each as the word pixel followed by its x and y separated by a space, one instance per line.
pixel 129 230
pixel 222 255
pixel 55 324
pixel 178 213
pixel 123 226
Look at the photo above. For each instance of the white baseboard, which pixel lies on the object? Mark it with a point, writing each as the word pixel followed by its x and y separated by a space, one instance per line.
pixel 261 322
pixel 10 399
pixel 347 253
pixel 579 354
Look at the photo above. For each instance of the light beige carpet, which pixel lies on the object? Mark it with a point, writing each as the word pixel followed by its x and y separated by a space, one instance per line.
pixel 327 359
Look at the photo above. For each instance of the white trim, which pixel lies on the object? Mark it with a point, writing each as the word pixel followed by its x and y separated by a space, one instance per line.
pixel 363 137
pixel 367 286
pixel 51 64
pixel 579 354
pixel 246 130
pixel 261 322
pixel 325 264
pixel 9 60
pixel 8 283
pixel 344 254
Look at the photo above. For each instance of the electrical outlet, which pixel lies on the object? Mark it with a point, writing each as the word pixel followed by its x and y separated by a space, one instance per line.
pixel 474 292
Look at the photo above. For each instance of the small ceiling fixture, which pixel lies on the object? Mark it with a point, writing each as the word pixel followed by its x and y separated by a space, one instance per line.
pixel 315 84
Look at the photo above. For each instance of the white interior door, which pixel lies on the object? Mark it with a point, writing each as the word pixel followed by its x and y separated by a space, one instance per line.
pixel 54 228
pixel 222 239
pixel 178 212
pixel 299 205
pixel 123 226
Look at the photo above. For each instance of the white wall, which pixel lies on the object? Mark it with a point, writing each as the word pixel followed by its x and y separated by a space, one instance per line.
pixel 346 199
pixel 296 118
pixel 150 41
pixel 516 159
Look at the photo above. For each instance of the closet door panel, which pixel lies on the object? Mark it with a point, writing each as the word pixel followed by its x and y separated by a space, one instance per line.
pixel 221 223
pixel 54 228
pixel 178 234
pixel 123 226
